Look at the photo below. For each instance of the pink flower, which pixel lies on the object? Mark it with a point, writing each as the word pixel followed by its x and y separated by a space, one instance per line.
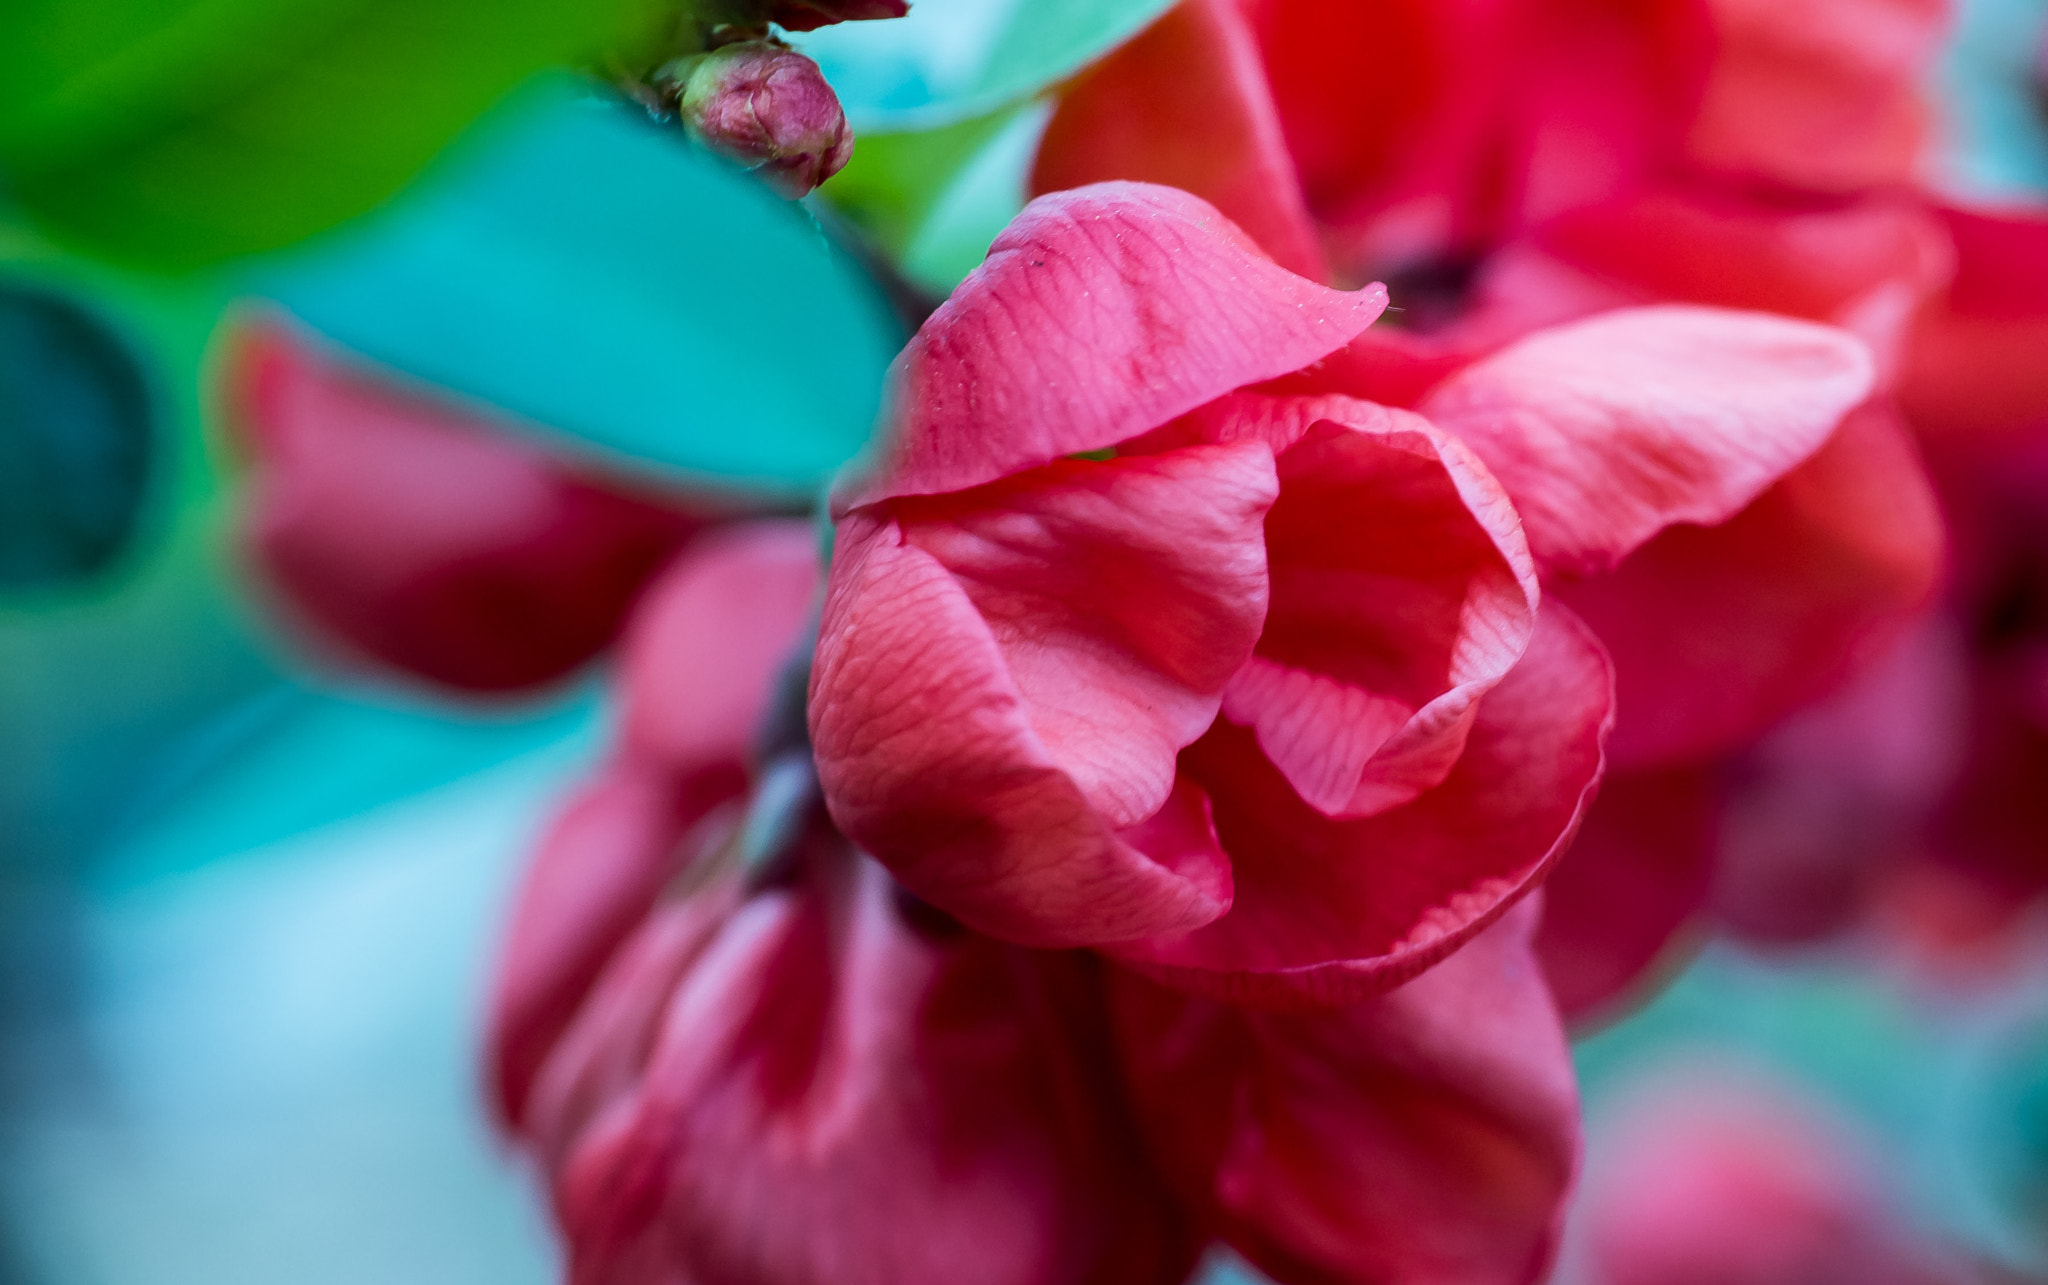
pixel 417 536
pixel 1525 163
pixel 800 1085
pixel 1927 774
pixel 1426 1136
pixel 1025 652
pixel 1485 117
pixel 700 659
pixel 756 1060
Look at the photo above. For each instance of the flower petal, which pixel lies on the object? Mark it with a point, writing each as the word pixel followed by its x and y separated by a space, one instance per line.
pixel 1825 264
pixel 600 867
pixel 589 1075
pixel 710 639
pixel 1389 110
pixel 1123 594
pixel 1717 632
pixel 1637 873
pixel 702 656
pixel 1974 368
pixel 1402 592
pixel 1425 1137
pixel 1825 95
pixel 835 1098
pixel 1329 912
pixel 420 535
pixel 931 758
pixel 1608 430
pixel 1186 104
pixel 1100 314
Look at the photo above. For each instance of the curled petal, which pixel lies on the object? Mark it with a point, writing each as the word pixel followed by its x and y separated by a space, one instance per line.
pixel 989 763
pixel 1402 592
pixel 600 867
pixel 1186 104
pixel 1608 430
pixel 833 1097
pixel 1331 912
pixel 1717 632
pixel 1423 1138
pixel 1393 367
pixel 1123 594
pixel 710 639
pixel 1100 314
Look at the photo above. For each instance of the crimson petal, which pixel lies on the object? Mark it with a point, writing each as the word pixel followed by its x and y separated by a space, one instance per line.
pixel 987 740
pixel 1186 104
pixel 1427 1137
pixel 1331 912
pixel 1608 430
pixel 1099 314
pixel 834 1098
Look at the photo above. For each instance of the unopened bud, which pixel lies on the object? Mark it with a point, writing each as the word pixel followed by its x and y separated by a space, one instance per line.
pixel 768 108
pixel 809 15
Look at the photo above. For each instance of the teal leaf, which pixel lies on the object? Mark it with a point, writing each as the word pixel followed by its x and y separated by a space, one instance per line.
pixel 1994 115
pixel 955 59
pixel 78 435
pixel 175 132
pixel 620 293
pixel 933 200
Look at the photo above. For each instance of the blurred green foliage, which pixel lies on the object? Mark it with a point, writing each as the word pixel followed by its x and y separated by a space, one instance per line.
pixel 934 199
pixel 176 132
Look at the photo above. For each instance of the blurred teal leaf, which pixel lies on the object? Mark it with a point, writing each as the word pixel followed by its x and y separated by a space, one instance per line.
pixel 78 431
pixel 2012 1126
pixel 951 60
pixel 174 132
pixel 1902 1055
pixel 1993 114
pixel 619 291
pixel 101 680
pixel 266 1067
pixel 1046 41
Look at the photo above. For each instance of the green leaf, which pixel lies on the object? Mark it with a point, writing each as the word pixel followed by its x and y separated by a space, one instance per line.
pixel 895 181
pixel 621 293
pixel 175 132
pixel 952 60
pixel 78 434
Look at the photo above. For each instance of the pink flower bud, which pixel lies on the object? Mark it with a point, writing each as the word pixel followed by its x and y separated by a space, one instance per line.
pixel 769 109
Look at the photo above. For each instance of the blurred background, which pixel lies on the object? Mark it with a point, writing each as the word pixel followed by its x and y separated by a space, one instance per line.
pixel 249 891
